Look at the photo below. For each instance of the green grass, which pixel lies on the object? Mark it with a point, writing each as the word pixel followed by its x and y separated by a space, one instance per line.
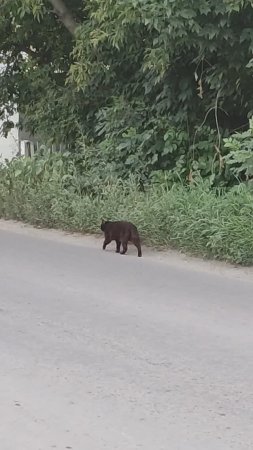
pixel 195 220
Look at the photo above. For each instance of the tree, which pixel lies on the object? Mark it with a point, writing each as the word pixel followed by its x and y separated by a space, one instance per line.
pixel 140 77
pixel 35 52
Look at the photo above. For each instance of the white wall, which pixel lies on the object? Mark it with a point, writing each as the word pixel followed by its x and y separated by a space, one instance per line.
pixel 9 145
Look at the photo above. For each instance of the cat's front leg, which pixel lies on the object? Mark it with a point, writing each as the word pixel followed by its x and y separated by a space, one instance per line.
pixel 106 242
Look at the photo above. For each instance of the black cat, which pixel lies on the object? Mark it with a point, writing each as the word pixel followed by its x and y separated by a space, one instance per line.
pixel 121 232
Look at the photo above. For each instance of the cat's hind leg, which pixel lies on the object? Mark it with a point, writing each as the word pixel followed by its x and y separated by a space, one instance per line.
pixel 137 244
pixel 118 243
pixel 124 250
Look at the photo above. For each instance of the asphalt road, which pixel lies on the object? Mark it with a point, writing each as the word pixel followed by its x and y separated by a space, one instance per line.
pixel 101 351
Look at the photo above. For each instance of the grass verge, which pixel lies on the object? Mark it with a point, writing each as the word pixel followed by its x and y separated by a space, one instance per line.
pixel 195 220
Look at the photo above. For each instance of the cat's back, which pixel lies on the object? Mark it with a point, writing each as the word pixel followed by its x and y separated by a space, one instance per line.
pixel 119 227
pixel 122 228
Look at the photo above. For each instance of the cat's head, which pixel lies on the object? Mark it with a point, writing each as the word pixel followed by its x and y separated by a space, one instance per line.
pixel 103 224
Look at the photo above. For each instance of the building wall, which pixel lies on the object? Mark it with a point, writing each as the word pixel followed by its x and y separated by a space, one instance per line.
pixel 9 146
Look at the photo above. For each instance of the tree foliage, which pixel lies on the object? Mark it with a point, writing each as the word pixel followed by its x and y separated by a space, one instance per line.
pixel 148 84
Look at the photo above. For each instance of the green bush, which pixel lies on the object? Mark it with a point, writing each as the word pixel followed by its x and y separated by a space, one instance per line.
pixel 239 160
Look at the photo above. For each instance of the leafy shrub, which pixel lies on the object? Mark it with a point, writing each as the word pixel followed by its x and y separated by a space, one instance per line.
pixel 240 157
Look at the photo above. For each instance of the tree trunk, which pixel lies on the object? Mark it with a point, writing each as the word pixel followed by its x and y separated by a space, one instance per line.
pixel 64 15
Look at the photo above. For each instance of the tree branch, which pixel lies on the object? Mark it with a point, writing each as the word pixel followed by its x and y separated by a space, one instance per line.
pixel 64 15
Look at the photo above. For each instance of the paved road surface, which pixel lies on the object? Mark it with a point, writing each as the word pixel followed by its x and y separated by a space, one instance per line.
pixel 100 351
